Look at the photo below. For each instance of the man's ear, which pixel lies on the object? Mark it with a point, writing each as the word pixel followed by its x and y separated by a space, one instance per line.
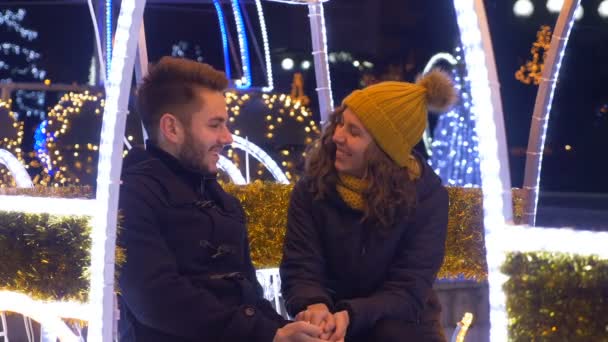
pixel 171 128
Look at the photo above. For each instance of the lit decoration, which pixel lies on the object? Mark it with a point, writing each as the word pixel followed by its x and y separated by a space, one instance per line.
pixel 108 30
pixel 270 280
pixel 20 63
pixel 283 130
pixel 11 135
pixel 555 6
pixel 602 9
pixel 102 64
pixel 462 327
pixel 224 33
pixel 268 61
pixel 235 174
pixel 318 30
pixel 487 108
pixel 579 13
pixel 261 156
pixel 101 300
pixel 542 107
pixel 287 63
pixel 17 302
pixel 501 237
pixel 182 49
pixel 16 169
pixel 319 45
pixel 523 8
pixel 70 155
pixel 67 142
pixel 441 56
pixel 297 89
pixel 532 71
pixel 454 149
pixel 245 81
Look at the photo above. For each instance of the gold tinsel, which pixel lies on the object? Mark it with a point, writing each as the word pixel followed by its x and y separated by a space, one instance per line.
pixel 47 256
pixel 556 297
pixel 465 248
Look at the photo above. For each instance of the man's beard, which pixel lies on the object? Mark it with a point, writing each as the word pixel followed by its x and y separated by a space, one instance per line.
pixel 191 157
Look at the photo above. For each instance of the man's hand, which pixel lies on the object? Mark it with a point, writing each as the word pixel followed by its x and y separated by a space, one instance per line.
pixel 298 332
pixel 341 320
pixel 319 315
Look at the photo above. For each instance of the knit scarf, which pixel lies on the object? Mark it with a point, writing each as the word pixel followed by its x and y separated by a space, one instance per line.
pixel 351 188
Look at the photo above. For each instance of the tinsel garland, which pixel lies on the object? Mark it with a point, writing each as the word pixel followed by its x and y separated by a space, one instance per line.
pixel 556 297
pixel 45 256
pixel 465 248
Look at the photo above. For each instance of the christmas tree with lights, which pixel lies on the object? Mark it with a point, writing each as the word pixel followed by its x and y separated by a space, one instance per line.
pixel 455 155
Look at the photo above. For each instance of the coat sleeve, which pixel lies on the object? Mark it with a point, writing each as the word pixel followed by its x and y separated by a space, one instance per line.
pixel 303 266
pixel 411 275
pixel 159 297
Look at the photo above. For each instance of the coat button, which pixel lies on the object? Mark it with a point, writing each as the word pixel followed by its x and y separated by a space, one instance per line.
pixel 249 311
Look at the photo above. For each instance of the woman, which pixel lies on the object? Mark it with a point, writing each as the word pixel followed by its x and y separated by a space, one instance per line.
pixel 367 223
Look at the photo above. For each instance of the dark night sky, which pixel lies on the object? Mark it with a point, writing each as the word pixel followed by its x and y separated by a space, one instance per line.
pixel 381 30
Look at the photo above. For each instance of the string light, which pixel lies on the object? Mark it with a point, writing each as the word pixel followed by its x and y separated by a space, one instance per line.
pixel 269 78
pixel 602 9
pixel 10 143
pixel 261 156
pixel 523 8
pixel 102 317
pixel 287 64
pixel 222 22
pixel 474 33
pixel 441 56
pixel 68 163
pixel 542 107
pixel 46 314
pixel 24 64
pixel 501 239
pixel 233 172
pixel 454 147
pixel 280 109
pixel 109 35
pixel 245 81
pixel 15 167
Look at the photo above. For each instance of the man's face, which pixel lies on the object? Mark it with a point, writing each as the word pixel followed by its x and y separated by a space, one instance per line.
pixel 207 134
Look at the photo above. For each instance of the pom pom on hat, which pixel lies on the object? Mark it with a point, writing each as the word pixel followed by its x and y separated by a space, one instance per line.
pixel 440 92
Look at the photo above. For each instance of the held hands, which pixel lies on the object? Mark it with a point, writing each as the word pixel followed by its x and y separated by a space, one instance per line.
pixel 333 326
pixel 298 332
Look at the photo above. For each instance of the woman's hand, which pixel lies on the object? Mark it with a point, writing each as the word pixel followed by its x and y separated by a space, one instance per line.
pixel 319 315
pixel 341 319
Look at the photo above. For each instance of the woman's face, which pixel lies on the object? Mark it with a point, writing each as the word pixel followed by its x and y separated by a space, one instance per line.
pixel 352 140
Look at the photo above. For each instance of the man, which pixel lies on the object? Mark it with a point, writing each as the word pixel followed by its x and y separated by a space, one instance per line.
pixel 188 275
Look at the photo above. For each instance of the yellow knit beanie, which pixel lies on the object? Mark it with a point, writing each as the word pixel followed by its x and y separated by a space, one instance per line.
pixel 395 113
